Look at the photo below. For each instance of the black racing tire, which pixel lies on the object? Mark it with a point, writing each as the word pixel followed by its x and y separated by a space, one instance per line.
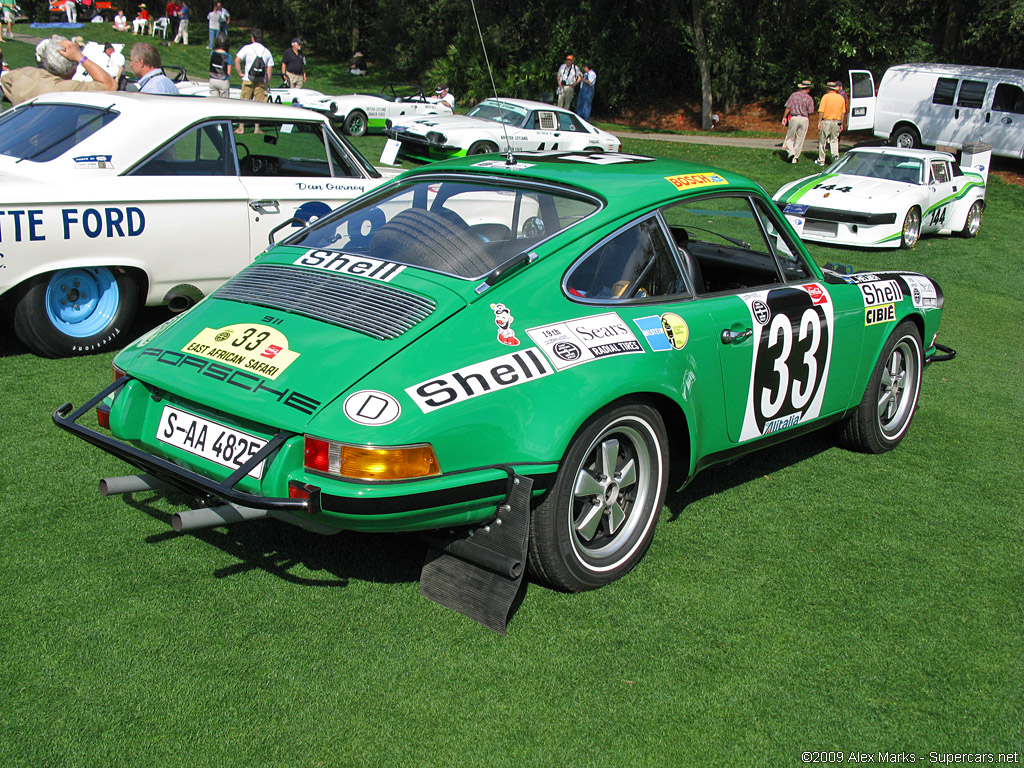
pixel 432 241
pixel 355 124
pixel 973 222
pixel 74 312
pixel 598 520
pixel 482 148
pixel 906 137
pixel 911 232
pixel 883 417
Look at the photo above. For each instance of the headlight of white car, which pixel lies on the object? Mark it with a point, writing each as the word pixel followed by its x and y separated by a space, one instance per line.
pixel 435 137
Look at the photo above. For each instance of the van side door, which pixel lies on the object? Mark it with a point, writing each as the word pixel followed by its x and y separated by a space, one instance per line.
pixel 862 101
pixel 1004 127
pixel 970 113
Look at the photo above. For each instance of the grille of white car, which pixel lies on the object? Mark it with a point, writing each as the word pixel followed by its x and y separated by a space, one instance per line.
pixel 377 310
pixel 822 228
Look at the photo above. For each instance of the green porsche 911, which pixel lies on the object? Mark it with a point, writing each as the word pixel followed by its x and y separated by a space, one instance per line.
pixel 515 355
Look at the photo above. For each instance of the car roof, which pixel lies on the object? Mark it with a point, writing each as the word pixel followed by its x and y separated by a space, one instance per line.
pixel 922 153
pixel 640 178
pixel 525 103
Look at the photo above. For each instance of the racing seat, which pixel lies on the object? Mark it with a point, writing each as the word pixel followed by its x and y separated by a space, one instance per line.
pixel 690 263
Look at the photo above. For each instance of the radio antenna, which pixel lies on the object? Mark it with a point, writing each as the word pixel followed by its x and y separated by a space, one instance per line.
pixel 509 160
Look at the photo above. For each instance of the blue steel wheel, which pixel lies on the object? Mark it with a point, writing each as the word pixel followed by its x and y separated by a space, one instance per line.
pixel 75 311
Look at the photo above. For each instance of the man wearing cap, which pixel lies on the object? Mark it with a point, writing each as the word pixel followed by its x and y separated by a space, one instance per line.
pixel 115 61
pixel 293 65
pixel 568 77
pixel 445 98
pixel 799 107
pixel 830 111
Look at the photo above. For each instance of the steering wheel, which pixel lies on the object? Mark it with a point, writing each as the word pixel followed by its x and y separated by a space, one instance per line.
pixel 242 160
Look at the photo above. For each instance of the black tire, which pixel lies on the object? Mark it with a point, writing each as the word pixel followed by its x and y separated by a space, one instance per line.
pixel 911 232
pixel 482 148
pixel 597 521
pixel 433 241
pixel 355 124
pixel 973 222
pixel 887 408
pixel 75 312
pixel 906 137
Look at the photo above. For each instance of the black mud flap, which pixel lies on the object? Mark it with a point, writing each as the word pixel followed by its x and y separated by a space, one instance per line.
pixel 479 572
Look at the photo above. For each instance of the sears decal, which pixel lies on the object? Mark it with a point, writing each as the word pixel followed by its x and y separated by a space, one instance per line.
pixel 372 408
pixel 922 291
pixel 791 358
pixel 251 347
pixel 585 339
pixel 478 379
pixel 664 332
pixel 361 266
pixel 880 299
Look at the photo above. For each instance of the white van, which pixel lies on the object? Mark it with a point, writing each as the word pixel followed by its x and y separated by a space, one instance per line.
pixel 942 104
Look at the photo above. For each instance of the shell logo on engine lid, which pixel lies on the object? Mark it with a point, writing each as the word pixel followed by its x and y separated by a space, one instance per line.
pixel 251 347
pixel 691 180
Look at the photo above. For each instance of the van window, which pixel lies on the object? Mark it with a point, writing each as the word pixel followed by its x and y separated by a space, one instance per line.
pixel 861 86
pixel 1008 98
pixel 944 90
pixel 972 94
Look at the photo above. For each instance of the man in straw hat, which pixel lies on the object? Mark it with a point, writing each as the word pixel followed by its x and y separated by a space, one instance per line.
pixel 831 111
pixel 799 107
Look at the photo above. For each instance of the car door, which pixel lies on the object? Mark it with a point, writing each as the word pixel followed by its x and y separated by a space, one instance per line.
pixel 942 189
pixel 290 170
pixel 862 101
pixel 777 330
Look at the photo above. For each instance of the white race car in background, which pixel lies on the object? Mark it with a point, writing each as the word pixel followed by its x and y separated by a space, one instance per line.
pixel 499 125
pixel 112 200
pixel 884 197
pixel 296 97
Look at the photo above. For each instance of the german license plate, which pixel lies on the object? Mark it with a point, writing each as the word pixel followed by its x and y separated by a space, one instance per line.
pixel 209 440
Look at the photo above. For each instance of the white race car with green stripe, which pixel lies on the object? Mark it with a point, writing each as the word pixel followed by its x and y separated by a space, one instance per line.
pixel 884 197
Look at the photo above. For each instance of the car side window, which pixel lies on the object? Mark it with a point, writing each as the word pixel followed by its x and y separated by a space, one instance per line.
pixel 288 149
pixel 1008 98
pixel 726 239
pixel 635 264
pixel 945 89
pixel 940 171
pixel 569 122
pixel 204 150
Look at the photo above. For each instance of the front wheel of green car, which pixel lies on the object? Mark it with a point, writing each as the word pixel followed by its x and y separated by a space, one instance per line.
pixel 598 520
pixel 884 414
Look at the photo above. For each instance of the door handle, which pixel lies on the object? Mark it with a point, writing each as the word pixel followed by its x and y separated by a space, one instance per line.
pixel 729 337
pixel 259 205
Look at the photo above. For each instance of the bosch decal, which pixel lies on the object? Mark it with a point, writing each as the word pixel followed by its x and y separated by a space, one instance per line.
pixel 372 408
pixel 692 180
pixel 35 224
pixel 503 318
pixel 791 358
pixel 595 337
pixel 479 379
pixel 361 266
pixel 248 346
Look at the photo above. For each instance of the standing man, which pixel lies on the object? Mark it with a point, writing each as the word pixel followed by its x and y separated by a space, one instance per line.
pixel 799 107
pixel 225 17
pixel 568 77
pixel 293 65
pixel 71 10
pixel 8 11
pixel 586 99
pixel 254 63
pixel 145 63
pixel 830 123
pixel 59 58
pixel 213 17
pixel 183 15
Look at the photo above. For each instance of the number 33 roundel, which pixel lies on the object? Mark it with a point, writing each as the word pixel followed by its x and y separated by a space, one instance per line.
pixel 792 351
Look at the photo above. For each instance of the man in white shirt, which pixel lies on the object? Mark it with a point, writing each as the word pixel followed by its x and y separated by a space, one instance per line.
pixel 254 62
pixel 568 78
pixel 115 61
pixel 443 97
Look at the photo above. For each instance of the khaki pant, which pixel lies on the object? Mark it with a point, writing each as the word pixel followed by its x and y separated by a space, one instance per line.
pixel 828 134
pixel 795 135
pixel 254 91
pixel 295 81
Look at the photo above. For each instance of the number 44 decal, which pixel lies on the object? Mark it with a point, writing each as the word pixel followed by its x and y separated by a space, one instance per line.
pixel 938 216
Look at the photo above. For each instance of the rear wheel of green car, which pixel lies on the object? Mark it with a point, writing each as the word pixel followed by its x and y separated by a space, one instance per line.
pixel 598 520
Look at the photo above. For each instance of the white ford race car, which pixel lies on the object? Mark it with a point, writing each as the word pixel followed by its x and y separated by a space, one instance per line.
pixel 497 125
pixel 115 199
pixel 885 197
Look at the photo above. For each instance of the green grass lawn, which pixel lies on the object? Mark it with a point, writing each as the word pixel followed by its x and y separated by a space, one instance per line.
pixel 803 598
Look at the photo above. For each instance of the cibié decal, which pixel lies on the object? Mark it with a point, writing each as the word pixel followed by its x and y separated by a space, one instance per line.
pixel 585 339
pixel 250 347
pixel 880 297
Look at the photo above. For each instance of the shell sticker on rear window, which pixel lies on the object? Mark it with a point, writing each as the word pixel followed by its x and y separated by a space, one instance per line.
pixel 585 339
pixel 93 161
pixel 258 349
pixel 348 264
pixel 693 180
pixel 792 342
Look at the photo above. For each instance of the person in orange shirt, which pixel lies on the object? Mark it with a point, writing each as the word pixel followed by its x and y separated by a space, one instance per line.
pixel 831 110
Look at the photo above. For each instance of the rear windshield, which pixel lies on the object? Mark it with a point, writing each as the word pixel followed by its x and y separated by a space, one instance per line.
pixel 41 132
pixel 457 227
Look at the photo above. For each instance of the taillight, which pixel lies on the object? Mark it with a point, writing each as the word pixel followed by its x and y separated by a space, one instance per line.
pixel 401 462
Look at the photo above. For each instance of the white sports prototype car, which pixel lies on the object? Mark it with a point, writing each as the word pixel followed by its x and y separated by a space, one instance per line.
pixel 115 199
pixel 885 197
pixel 497 125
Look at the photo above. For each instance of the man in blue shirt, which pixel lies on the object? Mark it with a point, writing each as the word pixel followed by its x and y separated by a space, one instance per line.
pixel 145 63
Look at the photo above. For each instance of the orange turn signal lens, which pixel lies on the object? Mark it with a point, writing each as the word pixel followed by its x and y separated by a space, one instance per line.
pixel 362 463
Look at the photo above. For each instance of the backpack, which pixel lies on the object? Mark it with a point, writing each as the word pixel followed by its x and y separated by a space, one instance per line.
pixel 258 70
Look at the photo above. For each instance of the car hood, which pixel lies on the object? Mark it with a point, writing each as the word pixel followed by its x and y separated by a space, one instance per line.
pixel 280 341
pixel 446 124
pixel 842 190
